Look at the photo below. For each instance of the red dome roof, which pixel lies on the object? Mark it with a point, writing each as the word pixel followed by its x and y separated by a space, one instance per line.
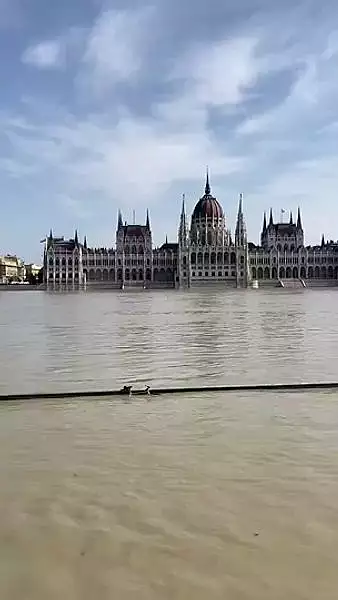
pixel 207 206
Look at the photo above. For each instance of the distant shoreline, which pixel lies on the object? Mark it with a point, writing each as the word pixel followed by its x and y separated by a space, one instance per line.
pixel 16 287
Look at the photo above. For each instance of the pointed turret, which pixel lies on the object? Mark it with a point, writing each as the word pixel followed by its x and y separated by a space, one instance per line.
pixel 182 231
pixel 207 190
pixel 271 217
pixel 148 221
pixel 264 222
pixel 323 241
pixel 240 232
pixel 119 221
pixel 240 205
pixel 76 239
pixel 49 240
pixel 299 220
pixel 291 218
pixel 166 239
pixel 85 242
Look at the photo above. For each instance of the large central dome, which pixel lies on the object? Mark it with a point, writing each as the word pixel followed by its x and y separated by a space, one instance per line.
pixel 207 207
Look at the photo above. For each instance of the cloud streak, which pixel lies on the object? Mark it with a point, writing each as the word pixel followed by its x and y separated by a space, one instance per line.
pixel 44 55
pixel 116 48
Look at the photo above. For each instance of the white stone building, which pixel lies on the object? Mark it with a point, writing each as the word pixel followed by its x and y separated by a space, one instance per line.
pixel 204 254
pixel 207 252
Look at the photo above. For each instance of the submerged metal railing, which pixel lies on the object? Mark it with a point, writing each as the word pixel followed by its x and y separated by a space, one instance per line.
pixel 130 391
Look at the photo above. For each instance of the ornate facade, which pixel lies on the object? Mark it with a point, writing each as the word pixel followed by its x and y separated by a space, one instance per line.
pixel 205 253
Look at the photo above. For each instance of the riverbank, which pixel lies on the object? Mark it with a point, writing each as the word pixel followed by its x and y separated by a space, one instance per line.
pixel 5 287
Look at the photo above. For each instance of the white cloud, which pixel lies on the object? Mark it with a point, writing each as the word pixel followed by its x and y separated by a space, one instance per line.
pixel 134 162
pixel 221 73
pixel 45 55
pixel 116 47
pixel 224 72
pixel 312 92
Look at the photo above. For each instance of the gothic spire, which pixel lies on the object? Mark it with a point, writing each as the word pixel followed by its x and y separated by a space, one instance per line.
pixel 271 217
pixel 240 205
pixel 240 232
pixel 207 189
pixel 76 239
pixel 119 220
pixel 264 221
pixel 51 234
pixel 148 221
pixel 85 242
pixel 182 231
pixel 166 239
pixel 323 241
pixel 299 220
pixel 291 218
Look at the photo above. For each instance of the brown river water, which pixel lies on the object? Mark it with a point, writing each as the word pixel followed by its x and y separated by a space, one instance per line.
pixel 217 496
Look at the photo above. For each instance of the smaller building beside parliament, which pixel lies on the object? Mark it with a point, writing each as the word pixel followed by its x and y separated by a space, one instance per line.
pixel 204 253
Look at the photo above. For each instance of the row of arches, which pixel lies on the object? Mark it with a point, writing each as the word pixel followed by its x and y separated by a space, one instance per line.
pixel 133 249
pixel 212 238
pixel 220 258
pixel 63 261
pixel 286 247
pixel 295 272
pixel 161 275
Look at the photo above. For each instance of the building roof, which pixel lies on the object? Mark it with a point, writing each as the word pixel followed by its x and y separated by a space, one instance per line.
pixel 135 230
pixel 285 228
pixel 173 246
pixel 208 206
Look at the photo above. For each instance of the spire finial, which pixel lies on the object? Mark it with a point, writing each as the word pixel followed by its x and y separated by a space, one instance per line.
pixel 264 221
pixel 271 217
pixel 76 239
pixel 119 220
pixel 207 184
pixel 323 241
pixel 240 205
pixel 166 239
pixel 299 220
pixel 291 218
pixel 85 242
pixel 148 220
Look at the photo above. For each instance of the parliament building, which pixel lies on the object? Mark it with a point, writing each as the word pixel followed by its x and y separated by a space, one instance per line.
pixel 205 253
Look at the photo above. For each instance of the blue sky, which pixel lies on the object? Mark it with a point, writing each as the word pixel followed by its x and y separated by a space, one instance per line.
pixel 123 104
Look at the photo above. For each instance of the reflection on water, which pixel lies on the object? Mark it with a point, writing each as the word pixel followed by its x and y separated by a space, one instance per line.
pixel 102 340
pixel 215 496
